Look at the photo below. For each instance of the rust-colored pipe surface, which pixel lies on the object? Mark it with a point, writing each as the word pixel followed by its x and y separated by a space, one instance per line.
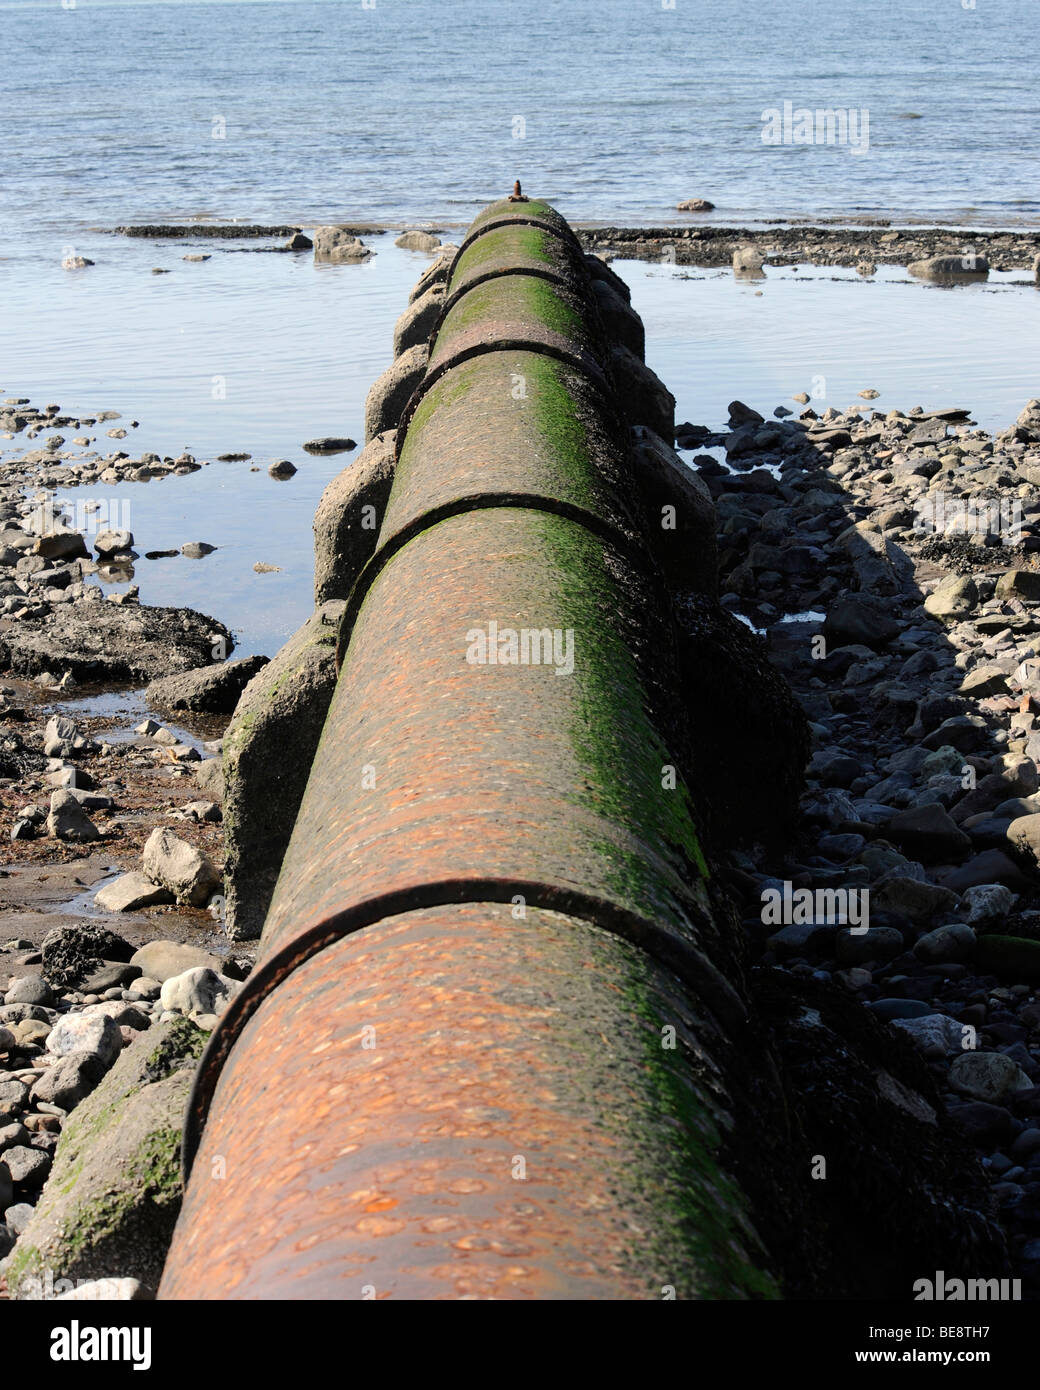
pixel 484 1050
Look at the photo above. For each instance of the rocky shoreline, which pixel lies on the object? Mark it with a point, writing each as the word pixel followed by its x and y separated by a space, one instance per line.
pixel 812 245
pixel 892 562
pixel 706 246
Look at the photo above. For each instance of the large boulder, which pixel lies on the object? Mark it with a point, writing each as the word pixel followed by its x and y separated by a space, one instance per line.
pixel 206 690
pixel 85 1032
pixel 72 954
pixel 389 394
pixel 418 241
pixel 859 619
pixel 1023 584
pixel 346 524
pixel 436 273
pixel 99 641
pixel 67 819
pixel 339 244
pixel 268 750
pixel 642 396
pixel 129 892
pixel 679 515
pixel 162 960
pixel 950 267
pixel 928 833
pixel 620 321
pixel 115 1190
pixel 954 598
pixel 179 867
pixel 199 991
pixel 416 324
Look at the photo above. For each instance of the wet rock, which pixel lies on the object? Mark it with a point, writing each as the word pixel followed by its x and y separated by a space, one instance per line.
pixel 113 542
pixel 282 468
pixel 213 689
pixel 418 241
pixel 695 205
pixel 299 241
pixel 196 550
pixel 950 267
pixel 116 1190
pixel 329 444
pixel 179 867
pixel 339 245
pixel 347 521
pixel 129 892
pixel 987 1076
pixel 268 750
pixel 102 642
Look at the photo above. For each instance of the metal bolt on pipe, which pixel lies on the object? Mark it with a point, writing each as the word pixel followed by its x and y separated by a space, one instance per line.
pixel 486 1050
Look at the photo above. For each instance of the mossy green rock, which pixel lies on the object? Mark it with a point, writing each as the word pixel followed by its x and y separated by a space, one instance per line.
pixel 268 750
pixel 1011 957
pixel 113 1196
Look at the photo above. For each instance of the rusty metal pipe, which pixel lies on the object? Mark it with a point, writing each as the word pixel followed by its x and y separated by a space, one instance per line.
pixel 492 1009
